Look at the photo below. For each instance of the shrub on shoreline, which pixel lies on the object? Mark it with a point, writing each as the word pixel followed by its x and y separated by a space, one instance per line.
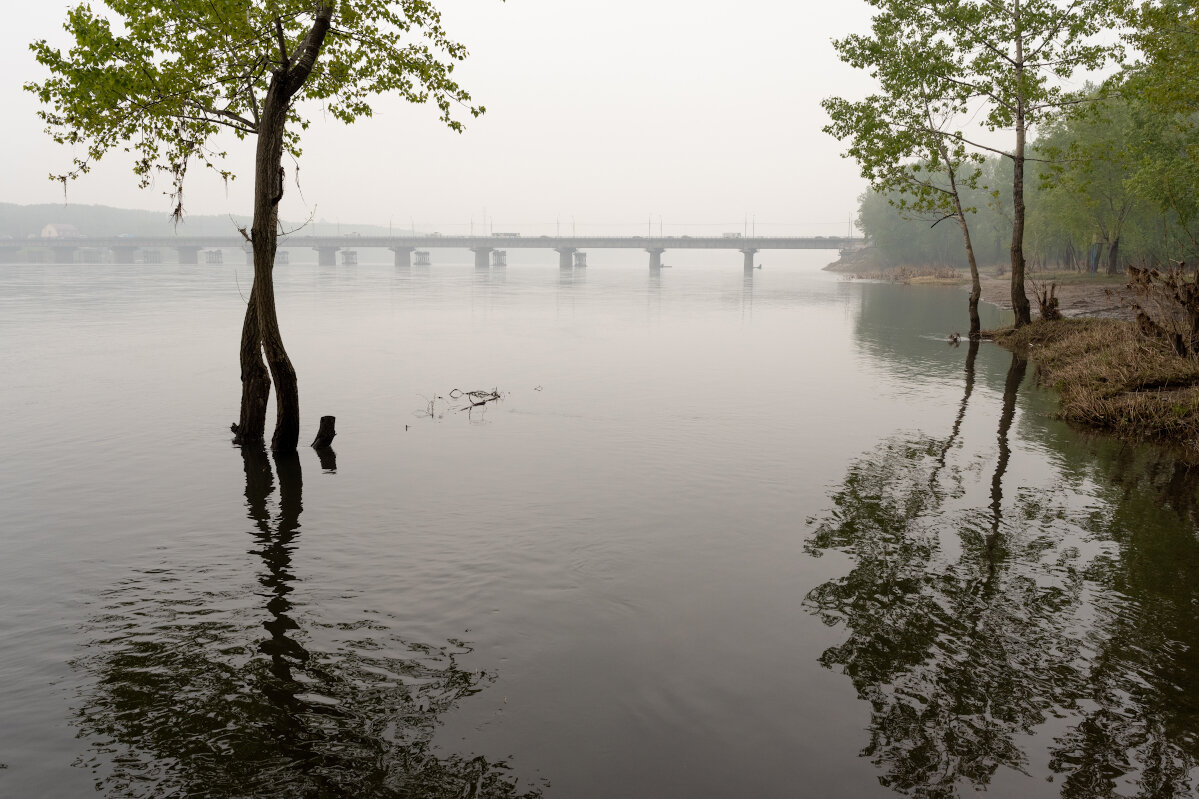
pixel 1111 377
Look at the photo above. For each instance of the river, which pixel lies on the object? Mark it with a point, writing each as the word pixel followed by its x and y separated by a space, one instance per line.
pixel 722 535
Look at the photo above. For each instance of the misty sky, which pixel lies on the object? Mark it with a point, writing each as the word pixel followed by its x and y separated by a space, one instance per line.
pixel 602 114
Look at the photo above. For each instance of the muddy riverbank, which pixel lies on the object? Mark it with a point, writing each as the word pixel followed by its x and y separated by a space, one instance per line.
pixel 1097 298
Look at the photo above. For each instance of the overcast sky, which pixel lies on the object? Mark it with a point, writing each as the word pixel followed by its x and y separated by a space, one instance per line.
pixel 601 114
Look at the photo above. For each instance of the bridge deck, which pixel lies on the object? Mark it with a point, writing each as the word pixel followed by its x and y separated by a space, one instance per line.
pixel 466 242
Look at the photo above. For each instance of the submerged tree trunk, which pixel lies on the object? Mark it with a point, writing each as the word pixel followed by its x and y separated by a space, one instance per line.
pixel 255 382
pixel 260 330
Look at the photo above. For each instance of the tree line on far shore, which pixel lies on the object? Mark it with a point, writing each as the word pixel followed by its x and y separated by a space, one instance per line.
pixel 1115 186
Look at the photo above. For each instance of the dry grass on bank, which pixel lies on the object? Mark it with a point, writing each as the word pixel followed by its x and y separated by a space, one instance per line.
pixel 909 275
pixel 1111 377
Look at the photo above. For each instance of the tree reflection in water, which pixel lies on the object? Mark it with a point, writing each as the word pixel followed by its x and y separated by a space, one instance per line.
pixel 188 698
pixel 969 627
pixel 1141 719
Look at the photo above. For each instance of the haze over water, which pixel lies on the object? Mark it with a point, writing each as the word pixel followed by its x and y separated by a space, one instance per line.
pixel 722 536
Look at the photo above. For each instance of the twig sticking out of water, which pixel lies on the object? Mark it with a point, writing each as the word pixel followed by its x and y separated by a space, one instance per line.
pixel 475 399
pixel 430 409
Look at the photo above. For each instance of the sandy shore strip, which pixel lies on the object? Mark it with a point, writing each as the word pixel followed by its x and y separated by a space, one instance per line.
pixel 1096 300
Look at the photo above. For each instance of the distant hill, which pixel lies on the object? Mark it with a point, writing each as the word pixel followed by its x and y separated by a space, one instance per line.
pixel 25 221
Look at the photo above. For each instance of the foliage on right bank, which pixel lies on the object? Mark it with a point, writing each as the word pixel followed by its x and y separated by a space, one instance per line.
pixel 1113 176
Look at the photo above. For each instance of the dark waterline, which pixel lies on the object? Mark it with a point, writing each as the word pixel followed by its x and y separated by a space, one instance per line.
pixel 723 536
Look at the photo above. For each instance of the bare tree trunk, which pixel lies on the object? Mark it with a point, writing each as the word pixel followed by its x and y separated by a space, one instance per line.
pixel 1113 257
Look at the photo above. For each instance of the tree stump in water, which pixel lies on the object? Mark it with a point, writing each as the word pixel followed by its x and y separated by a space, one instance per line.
pixel 324 436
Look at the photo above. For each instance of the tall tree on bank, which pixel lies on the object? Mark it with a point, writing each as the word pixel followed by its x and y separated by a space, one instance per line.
pixel 1092 156
pixel 1008 59
pixel 164 80
pixel 903 137
pixel 1167 83
pixel 1167 33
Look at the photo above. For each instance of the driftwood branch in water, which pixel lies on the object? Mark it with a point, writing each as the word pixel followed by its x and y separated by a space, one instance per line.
pixel 475 398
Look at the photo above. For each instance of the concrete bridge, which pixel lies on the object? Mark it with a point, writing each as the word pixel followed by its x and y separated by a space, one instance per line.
pixel 125 248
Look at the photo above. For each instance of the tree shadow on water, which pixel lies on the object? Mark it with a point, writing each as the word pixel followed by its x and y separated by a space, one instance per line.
pixel 970 626
pixel 197 691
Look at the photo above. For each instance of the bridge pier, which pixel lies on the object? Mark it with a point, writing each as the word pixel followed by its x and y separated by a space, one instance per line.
pixel 326 256
pixel 188 255
pixel 64 255
pixel 123 255
pixel 566 257
pixel 403 256
pixel 655 257
pixel 749 254
pixel 248 249
pixel 482 257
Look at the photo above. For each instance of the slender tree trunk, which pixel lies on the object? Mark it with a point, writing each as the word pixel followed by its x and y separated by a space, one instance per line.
pixel 1020 302
pixel 268 191
pixel 1019 299
pixel 976 289
pixel 1113 257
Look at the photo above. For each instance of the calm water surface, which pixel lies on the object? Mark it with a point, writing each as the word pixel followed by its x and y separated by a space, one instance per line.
pixel 723 536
